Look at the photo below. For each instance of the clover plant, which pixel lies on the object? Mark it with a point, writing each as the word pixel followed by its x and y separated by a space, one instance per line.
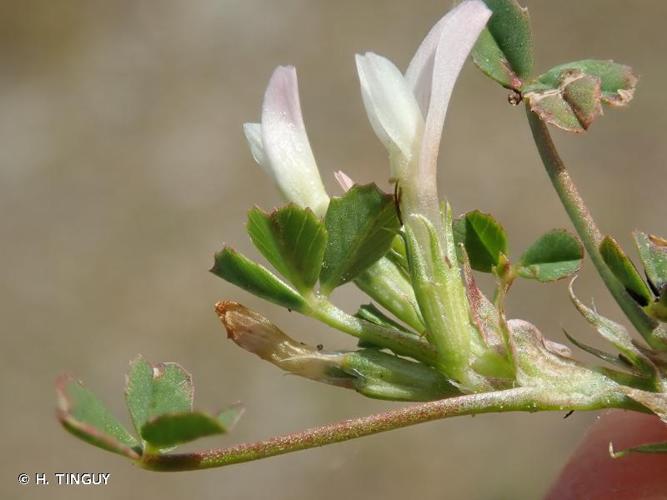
pixel 427 333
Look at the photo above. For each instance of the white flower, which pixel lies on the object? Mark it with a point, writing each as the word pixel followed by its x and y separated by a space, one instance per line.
pixel 408 112
pixel 280 143
pixel 392 109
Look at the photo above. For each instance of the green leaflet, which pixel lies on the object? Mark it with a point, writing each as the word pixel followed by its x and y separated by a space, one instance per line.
pixel 82 414
pixel 256 279
pixel 293 240
pixel 555 255
pixel 625 271
pixel 152 391
pixel 484 239
pixel 361 225
pixel 504 50
pixel 171 429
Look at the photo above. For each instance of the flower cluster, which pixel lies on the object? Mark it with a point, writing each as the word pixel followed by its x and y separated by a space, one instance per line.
pixel 406 110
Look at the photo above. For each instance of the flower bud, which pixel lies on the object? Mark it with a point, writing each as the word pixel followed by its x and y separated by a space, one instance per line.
pixel 256 334
pixel 370 372
pixel 392 109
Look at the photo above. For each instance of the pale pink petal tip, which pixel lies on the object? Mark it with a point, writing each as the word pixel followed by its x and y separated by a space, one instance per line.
pixel 343 180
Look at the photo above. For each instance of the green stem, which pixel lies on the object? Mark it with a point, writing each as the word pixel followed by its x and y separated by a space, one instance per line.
pixel 586 228
pixel 400 342
pixel 519 399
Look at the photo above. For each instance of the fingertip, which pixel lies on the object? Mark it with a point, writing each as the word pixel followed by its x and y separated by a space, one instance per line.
pixel 592 473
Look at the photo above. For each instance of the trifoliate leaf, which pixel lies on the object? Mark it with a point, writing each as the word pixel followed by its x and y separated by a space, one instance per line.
pixel 570 96
pixel 617 81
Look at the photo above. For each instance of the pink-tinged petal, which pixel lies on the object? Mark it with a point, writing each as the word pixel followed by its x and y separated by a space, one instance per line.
pixel 419 74
pixel 343 180
pixel 286 144
pixel 459 31
pixel 391 108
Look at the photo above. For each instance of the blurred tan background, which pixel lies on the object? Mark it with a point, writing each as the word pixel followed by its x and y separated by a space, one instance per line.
pixel 123 168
